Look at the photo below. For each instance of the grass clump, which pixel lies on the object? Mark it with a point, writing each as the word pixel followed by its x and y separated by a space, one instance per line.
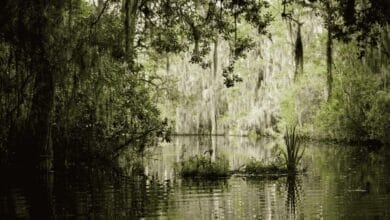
pixel 294 150
pixel 259 168
pixel 202 166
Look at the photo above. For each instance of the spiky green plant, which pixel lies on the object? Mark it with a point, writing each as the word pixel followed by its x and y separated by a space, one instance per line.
pixel 294 150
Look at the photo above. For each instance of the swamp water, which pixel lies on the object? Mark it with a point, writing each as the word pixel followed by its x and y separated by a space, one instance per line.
pixel 340 182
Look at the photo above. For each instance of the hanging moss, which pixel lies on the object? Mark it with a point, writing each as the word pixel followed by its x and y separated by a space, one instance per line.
pixel 260 79
pixel 349 11
pixel 298 52
pixel 196 54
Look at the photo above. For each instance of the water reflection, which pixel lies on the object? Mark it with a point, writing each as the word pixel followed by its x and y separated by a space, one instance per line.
pixel 293 189
pixel 27 195
pixel 341 183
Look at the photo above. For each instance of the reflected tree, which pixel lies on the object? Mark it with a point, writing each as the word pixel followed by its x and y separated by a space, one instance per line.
pixel 294 191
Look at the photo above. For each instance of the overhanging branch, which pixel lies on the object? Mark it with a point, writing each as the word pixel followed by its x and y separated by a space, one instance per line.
pixel 100 14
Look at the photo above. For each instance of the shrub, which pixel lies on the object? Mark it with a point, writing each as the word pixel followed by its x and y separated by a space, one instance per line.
pixel 258 167
pixel 202 166
pixel 359 108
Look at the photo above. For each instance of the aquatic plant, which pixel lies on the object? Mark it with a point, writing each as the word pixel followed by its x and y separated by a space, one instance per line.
pixel 258 167
pixel 294 150
pixel 202 166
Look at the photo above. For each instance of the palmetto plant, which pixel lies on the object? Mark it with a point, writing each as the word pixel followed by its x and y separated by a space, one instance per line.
pixel 294 150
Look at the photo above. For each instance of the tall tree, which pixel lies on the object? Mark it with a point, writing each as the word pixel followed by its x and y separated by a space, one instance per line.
pixel 34 36
pixel 329 24
pixel 130 10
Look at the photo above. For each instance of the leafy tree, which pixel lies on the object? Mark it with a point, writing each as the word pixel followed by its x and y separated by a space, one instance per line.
pixel 346 20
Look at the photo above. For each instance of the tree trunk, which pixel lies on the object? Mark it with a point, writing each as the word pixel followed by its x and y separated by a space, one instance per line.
pixel 40 116
pixel 329 46
pixel 215 58
pixel 100 6
pixel 214 86
pixel 329 60
pixel 168 64
pixel 36 148
pixel 130 22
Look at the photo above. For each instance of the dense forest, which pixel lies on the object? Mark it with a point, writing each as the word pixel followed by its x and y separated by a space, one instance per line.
pixel 194 109
pixel 87 80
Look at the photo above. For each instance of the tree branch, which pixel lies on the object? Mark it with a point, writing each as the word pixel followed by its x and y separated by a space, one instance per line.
pixel 132 139
pixel 100 14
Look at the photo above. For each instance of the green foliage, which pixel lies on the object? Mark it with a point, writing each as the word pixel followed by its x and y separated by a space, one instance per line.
pixel 259 168
pixel 230 77
pixel 349 20
pixel 202 166
pixel 359 109
pixel 301 102
pixel 102 102
pixel 378 118
pixel 294 151
pixel 177 26
pixel 289 109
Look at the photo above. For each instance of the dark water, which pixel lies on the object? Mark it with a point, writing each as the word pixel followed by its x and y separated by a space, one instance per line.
pixel 341 182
